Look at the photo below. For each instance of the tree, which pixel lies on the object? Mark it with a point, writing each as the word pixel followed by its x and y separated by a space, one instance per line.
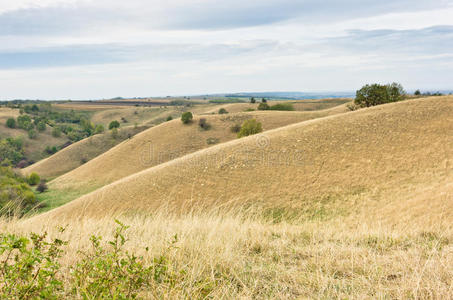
pixel 222 111
pixel 169 118
pixel 263 100
pixel 263 106
pixel 114 124
pixel 250 127
pixel 417 93
pixel 41 126
pixel 252 100
pixel 32 134
pixel 11 123
pixel 376 94
pixel 186 117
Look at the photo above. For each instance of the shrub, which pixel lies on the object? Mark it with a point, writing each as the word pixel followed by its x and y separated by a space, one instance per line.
pixel 376 94
pixel 203 124
pixel 32 134
pixel 169 118
pixel 42 187
pixel 33 179
pixel 186 117
pixel 51 150
pixel 250 127
pixel 24 122
pixel 41 126
pixel 222 111
pixel 263 106
pixel 263 100
pixel 212 141
pixel 115 133
pixel 249 109
pixel 417 93
pixel 114 124
pixel 252 100
pixel 282 106
pixel 99 129
pixel 11 123
pixel 235 128
pixel 56 132
pixel 352 106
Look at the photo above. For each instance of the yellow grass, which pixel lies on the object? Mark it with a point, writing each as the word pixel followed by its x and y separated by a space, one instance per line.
pixel 371 159
pixel 166 142
pixel 79 153
pixel 350 206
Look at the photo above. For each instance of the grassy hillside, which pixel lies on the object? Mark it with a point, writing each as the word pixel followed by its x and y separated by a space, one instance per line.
pixel 161 144
pixel 351 206
pixel 316 169
pixel 80 153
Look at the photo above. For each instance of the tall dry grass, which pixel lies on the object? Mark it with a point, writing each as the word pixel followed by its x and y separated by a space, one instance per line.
pixel 240 255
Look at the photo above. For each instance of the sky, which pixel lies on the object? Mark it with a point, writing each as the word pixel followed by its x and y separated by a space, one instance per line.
pixel 93 49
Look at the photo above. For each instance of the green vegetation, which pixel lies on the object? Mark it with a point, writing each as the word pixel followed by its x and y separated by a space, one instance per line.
pixel 376 94
pixel 252 100
pixel 222 111
pixel 250 127
pixel 16 196
pixel 33 179
pixel 263 106
pixel 186 117
pixel 11 123
pixel 279 106
pixel 226 100
pixel 114 124
pixel 99 129
pixel 30 269
pixel 204 124
pixel 11 151
pixel 169 118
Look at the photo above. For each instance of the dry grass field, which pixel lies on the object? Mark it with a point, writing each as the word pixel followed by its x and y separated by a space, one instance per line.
pixel 79 153
pixel 164 143
pixel 356 205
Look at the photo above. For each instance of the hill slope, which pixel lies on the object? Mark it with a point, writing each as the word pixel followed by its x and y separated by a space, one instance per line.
pixel 79 153
pixel 364 160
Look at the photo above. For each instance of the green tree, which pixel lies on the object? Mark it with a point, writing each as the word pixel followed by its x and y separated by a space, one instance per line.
pixel 250 127
pixel 114 124
pixel 252 100
pixel 99 129
pixel 376 94
pixel 222 111
pixel 11 123
pixel 32 134
pixel 417 93
pixel 41 126
pixel 186 117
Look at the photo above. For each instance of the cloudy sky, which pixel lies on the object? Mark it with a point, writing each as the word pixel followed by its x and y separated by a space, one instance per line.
pixel 87 49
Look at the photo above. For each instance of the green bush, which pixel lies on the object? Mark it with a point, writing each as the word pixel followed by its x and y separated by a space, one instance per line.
pixel 222 111
pixel 11 123
pixel 32 134
pixel 33 179
pixel 99 129
pixel 30 269
pixel 11 149
pixel 204 124
pixel 169 118
pixel 41 126
pixel 250 127
pixel 114 124
pixel 24 122
pixel 376 94
pixel 282 106
pixel 16 196
pixel 186 117
pixel 263 106
pixel 252 100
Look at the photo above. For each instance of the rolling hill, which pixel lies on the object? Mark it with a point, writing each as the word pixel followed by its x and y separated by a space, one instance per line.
pixel 365 161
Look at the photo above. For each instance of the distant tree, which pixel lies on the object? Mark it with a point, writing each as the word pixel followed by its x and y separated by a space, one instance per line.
pixel 263 106
pixel 32 134
pixel 250 127
pixel 42 187
pixel 222 111
pixel 41 126
pixel 376 94
pixel 11 123
pixel 114 124
pixel 263 100
pixel 252 100
pixel 186 117
pixel 417 93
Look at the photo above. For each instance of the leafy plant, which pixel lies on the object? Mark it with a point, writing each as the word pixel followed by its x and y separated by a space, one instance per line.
pixel 33 179
pixel 114 124
pixel 222 111
pixel 11 123
pixel 250 127
pixel 186 117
